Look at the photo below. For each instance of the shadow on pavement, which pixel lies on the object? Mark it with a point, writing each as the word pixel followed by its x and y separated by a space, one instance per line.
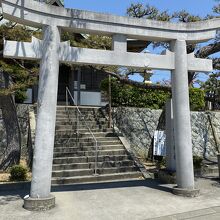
pixel 12 195
pixel 150 183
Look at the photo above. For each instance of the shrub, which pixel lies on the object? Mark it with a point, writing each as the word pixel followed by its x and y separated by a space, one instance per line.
pixel 131 96
pixel 160 162
pixel 18 173
pixel 197 162
pixel 197 99
pixel 20 96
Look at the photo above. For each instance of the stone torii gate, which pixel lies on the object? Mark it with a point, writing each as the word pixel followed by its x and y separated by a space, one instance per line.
pixel 51 52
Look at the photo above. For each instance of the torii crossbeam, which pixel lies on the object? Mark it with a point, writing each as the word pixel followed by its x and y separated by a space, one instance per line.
pixel 74 55
pixel 51 51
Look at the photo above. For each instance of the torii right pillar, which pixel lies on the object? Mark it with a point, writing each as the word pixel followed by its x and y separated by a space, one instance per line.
pixel 182 124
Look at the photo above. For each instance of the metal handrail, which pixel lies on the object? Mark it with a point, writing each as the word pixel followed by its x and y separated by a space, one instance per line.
pixel 68 93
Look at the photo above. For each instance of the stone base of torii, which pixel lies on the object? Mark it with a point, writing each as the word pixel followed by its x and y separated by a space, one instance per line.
pixel 51 51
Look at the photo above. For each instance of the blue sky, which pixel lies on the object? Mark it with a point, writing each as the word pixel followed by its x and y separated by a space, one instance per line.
pixel 118 7
pixel 198 7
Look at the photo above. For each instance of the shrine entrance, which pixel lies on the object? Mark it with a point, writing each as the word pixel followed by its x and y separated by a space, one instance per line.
pixel 51 52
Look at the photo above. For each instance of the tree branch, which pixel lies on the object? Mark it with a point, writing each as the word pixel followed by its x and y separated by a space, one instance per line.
pixel 216 63
pixel 139 84
pixel 23 67
pixel 208 50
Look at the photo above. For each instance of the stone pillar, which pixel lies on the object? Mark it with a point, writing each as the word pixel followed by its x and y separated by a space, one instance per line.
pixel 40 197
pixel 170 145
pixel 182 125
pixel 79 86
pixel 119 43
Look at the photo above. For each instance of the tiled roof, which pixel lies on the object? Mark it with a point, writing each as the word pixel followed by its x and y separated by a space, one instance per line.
pixel 59 2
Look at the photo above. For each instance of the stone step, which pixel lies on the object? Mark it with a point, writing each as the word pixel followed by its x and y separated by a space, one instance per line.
pixel 89 140
pixel 107 164
pixel 69 124
pixel 72 134
pixel 74 111
pixel 99 178
pixel 71 127
pixel 209 170
pixel 87 148
pixel 74 119
pixel 84 129
pixel 82 115
pixel 85 142
pixel 88 159
pixel 91 153
pixel 90 143
pixel 87 122
pixel 82 111
pixel 87 172
pixel 72 123
pixel 63 107
pixel 82 121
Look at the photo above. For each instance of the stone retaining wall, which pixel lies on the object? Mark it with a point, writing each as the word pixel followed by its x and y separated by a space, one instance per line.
pixel 138 126
pixel 22 112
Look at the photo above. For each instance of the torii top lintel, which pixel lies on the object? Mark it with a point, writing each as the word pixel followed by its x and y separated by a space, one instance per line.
pixel 35 14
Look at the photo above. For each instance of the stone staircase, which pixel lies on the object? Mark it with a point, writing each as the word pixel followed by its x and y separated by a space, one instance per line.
pixel 74 152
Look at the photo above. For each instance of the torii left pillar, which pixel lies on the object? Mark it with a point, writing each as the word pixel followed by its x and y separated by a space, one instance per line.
pixel 40 197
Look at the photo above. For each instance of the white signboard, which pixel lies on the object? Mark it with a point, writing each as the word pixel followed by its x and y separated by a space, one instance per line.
pixel 159 143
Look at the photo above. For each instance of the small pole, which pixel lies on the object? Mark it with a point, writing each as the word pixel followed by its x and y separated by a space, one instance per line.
pixel 110 101
pixel 96 157
pixel 66 97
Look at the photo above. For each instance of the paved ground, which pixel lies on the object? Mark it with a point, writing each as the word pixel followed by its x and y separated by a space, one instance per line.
pixel 137 200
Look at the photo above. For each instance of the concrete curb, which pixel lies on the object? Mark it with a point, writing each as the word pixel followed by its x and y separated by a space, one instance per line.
pixel 191 215
pixel 15 186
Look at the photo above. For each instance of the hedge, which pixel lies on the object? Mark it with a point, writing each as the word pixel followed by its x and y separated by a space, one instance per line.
pixel 132 96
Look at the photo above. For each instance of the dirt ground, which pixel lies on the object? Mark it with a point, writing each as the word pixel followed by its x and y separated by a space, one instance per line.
pixel 4 177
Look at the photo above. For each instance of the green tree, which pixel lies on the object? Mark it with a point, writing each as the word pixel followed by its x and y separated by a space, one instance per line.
pixel 140 10
pixel 15 78
pixel 212 90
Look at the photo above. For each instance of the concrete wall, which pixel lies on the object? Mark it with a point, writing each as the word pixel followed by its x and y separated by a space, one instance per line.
pixel 138 125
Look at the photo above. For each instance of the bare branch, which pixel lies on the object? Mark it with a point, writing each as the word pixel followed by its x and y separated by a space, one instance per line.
pixel 139 84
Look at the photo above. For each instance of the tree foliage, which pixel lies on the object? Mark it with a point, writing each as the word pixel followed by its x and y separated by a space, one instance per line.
pixel 149 12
